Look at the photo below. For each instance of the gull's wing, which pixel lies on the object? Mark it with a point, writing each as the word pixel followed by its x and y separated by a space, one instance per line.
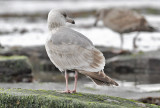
pixel 70 50
pixel 66 35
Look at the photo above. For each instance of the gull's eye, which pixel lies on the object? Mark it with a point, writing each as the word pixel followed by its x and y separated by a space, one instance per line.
pixel 65 15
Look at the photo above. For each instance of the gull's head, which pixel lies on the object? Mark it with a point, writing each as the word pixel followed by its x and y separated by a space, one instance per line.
pixel 57 18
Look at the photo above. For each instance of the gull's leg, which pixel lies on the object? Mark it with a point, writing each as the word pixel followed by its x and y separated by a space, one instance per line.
pixel 134 41
pixel 1 46
pixel 75 82
pixel 121 37
pixel 120 50
pixel 66 78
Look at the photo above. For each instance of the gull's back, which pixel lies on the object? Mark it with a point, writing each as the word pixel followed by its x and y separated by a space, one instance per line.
pixel 124 20
pixel 66 35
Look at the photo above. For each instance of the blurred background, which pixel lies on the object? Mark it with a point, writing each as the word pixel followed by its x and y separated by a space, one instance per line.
pixel 25 64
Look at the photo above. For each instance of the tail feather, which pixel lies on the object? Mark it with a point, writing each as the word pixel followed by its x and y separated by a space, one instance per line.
pixel 100 78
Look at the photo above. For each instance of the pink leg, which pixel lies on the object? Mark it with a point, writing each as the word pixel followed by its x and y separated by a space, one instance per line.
pixel 66 78
pixel 75 82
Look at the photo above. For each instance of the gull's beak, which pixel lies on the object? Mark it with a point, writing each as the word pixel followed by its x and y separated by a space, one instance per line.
pixel 70 20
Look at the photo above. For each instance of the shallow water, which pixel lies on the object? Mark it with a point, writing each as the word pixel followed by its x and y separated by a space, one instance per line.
pixel 25 33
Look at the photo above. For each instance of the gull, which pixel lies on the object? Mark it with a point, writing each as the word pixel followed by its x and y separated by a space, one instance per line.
pixel 71 50
pixel 122 21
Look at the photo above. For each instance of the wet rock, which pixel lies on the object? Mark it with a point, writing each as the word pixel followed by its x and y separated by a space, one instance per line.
pixel 15 69
pixel 39 57
pixel 20 31
pixel 151 100
pixel 42 68
pixel 23 31
pixel 36 54
pixel 41 63
pixel 141 67
pixel 110 52
pixel 1 47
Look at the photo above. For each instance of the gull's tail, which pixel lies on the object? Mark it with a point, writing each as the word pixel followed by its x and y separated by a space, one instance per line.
pixel 100 78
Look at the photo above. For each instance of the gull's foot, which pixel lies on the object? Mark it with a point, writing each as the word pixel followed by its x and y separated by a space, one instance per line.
pixel 66 91
pixel 73 91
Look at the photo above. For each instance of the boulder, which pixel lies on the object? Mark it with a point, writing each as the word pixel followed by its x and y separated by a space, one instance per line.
pixel 23 98
pixel 150 100
pixel 36 54
pixel 15 69
pixel 141 67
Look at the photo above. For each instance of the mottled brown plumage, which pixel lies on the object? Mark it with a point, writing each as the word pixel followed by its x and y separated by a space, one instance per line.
pixel 123 20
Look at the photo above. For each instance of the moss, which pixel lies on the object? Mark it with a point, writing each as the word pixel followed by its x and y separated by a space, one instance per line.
pixel 12 57
pixel 14 61
pixel 91 88
pixel 19 98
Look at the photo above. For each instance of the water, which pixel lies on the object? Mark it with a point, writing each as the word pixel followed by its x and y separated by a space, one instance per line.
pixel 35 33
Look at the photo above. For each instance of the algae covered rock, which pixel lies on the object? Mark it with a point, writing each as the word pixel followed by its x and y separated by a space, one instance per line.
pixel 15 69
pixel 23 98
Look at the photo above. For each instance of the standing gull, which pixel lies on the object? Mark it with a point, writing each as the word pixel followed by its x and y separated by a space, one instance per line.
pixel 70 50
pixel 123 21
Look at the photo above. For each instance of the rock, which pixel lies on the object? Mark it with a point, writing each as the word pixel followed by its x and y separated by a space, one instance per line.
pixel 51 99
pixel 15 69
pixel 1 47
pixel 141 67
pixel 41 63
pixel 36 54
pixel 110 52
pixel 150 100
pixel 39 57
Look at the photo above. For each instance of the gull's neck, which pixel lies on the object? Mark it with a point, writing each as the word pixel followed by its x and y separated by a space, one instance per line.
pixel 51 32
pixel 55 25
pixel 54 28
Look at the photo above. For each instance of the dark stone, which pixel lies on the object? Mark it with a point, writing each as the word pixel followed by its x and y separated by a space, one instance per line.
pixel 150 100
pixel 141 67
pixel 15 69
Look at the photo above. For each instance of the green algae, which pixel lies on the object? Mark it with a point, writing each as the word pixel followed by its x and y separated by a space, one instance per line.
pixel 51 99
pixel 12 57
pixel 91 88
